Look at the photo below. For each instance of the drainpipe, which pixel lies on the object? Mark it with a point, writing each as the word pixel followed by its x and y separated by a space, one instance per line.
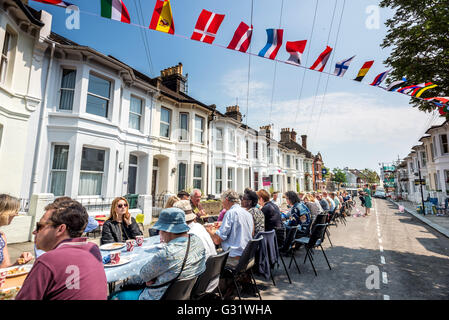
pixel 39 127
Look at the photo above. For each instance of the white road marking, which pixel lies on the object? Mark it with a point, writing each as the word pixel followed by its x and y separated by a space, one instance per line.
pixel 382 259
pixel 380 240
pixel 384 278
pixel 386 297
pixel 381 249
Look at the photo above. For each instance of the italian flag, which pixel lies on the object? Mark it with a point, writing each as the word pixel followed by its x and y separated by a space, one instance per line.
pixel 115 10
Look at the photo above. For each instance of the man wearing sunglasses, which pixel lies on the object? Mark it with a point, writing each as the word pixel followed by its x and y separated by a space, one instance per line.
pixel 71 268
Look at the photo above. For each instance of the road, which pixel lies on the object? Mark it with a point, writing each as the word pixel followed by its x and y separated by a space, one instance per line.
pixel 386 256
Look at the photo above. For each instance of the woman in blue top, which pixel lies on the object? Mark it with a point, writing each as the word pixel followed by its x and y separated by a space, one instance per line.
pixel 9 208
pixel 299 215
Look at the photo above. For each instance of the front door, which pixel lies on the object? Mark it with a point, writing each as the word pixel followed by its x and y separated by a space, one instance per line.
pixel 154 185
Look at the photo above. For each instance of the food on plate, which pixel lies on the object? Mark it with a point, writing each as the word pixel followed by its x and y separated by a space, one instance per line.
pixel 21 261
pixel 9 294
pixel 116 245
pixel 15 271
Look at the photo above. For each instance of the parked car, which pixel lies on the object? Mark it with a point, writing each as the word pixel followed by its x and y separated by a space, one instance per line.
pixel 380 194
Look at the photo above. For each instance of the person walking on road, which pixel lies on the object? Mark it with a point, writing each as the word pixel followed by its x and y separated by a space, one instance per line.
pixel 368 204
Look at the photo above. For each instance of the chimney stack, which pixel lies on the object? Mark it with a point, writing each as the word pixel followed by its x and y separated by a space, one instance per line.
pixel 173 79
pixel 234 113
pixel 293 135
pixel 285 135
pixel 267 130
pixel 304 141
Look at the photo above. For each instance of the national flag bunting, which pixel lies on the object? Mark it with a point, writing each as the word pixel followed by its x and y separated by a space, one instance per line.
pixel 207 26
pixel 342 66
pixel 428 86
pixel 320 63
pixel 364 70
pixel 242 38
pixel 379 78
pixel 115 10
pixel 395 85
pixel 413 89
pixel 162 19
pixel 58 3
pixel 274 43
pixel 296 49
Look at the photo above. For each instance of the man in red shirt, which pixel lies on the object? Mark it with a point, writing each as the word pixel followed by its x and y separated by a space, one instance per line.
pixel 71 268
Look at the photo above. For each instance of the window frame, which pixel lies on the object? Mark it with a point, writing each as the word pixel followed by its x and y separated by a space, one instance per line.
pixel 198 178
pixel 218 181
pixel 256 150
pixel 200 130
pixel 186 175
pixel 219 141
pixel 140 116
pixel 231 141
pixel 170 113
pixel 444 145
pixel 230 182
pixel 61 89
pixel 187 115
pixel 93 172
pixel 52 170
pixel 5 56
pixel 109 99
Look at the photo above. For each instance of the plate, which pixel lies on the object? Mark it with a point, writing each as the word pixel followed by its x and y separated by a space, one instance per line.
pixel 17 270
pixel 113 246
pixel 123 260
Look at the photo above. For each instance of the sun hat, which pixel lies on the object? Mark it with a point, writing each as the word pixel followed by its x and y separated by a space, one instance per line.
pixel 172 220
pixel 185 206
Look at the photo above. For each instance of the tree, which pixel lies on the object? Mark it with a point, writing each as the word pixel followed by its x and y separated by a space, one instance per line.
pixel 418 34
pixel 339 176
pixel 371 176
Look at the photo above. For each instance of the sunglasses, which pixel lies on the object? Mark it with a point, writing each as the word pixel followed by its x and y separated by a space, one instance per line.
pixel 122 205
pixel 40 226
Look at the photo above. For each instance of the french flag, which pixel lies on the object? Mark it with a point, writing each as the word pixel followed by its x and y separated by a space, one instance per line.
pixel 380 77
pixel 296 49
pixel 242 38
pixel 320 63
pixel 58 3
pixel 273 45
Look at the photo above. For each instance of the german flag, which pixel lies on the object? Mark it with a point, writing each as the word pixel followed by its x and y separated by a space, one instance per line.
pixel 364 70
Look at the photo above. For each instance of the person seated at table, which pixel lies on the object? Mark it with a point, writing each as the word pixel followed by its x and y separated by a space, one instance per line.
pixel 196 228
pixel 236 228
pixel 270 210
pixel 323 203
pixel 299 215
pixel 195 199
pixel 249 202
pixel 183 195
pixel 120 226
pixel 71 268
pixel 166 264
pixel 9 208
pixel 171 201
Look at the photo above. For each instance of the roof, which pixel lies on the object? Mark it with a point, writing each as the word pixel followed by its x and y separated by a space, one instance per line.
pixel 296 146
pixel 436 127
pixel 32 14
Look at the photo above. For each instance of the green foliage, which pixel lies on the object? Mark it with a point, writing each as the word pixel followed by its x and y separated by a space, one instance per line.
pixel 339 176
pixel 371 176
pixel 418 35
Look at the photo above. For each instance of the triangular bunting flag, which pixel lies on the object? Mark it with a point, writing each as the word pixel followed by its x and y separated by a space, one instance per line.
pixel 115 10
pixel 296 49
pixel 162 19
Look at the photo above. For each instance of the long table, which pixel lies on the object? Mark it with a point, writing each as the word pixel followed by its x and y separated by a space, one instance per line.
pixel 139 257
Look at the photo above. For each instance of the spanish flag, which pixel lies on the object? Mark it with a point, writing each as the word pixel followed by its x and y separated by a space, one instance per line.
pixel 162 19
pixel 364 70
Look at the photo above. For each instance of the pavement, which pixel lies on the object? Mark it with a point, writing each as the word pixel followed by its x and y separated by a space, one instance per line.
pixel 387 255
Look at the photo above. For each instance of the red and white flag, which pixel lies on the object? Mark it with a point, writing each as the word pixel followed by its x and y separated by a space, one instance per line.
pixel 296 49
pixel 207 26
pixel 320 63
pixel 242 38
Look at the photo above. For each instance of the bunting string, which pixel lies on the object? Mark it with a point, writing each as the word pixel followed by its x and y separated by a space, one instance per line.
pixel 118 12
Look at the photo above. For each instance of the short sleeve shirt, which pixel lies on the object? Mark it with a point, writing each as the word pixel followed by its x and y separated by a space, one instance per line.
pixel 236 230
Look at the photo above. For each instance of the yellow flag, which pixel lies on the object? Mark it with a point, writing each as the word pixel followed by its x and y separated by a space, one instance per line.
pixel 162 19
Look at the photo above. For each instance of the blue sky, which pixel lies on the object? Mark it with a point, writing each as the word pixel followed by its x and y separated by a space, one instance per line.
pixel 350 123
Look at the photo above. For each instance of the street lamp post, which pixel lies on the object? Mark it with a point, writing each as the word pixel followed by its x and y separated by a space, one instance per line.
pixel 420 184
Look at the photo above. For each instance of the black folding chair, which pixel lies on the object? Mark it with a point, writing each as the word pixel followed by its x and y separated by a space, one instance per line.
pixel 289 246
pixel 246 262
pixel 214 268
pixel 179 290
pixel 315 240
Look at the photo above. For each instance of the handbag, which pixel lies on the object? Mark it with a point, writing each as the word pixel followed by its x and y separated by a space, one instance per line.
pixel 142 286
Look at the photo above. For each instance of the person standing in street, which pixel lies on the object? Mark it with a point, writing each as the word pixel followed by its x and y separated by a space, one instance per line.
pixel 367 196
